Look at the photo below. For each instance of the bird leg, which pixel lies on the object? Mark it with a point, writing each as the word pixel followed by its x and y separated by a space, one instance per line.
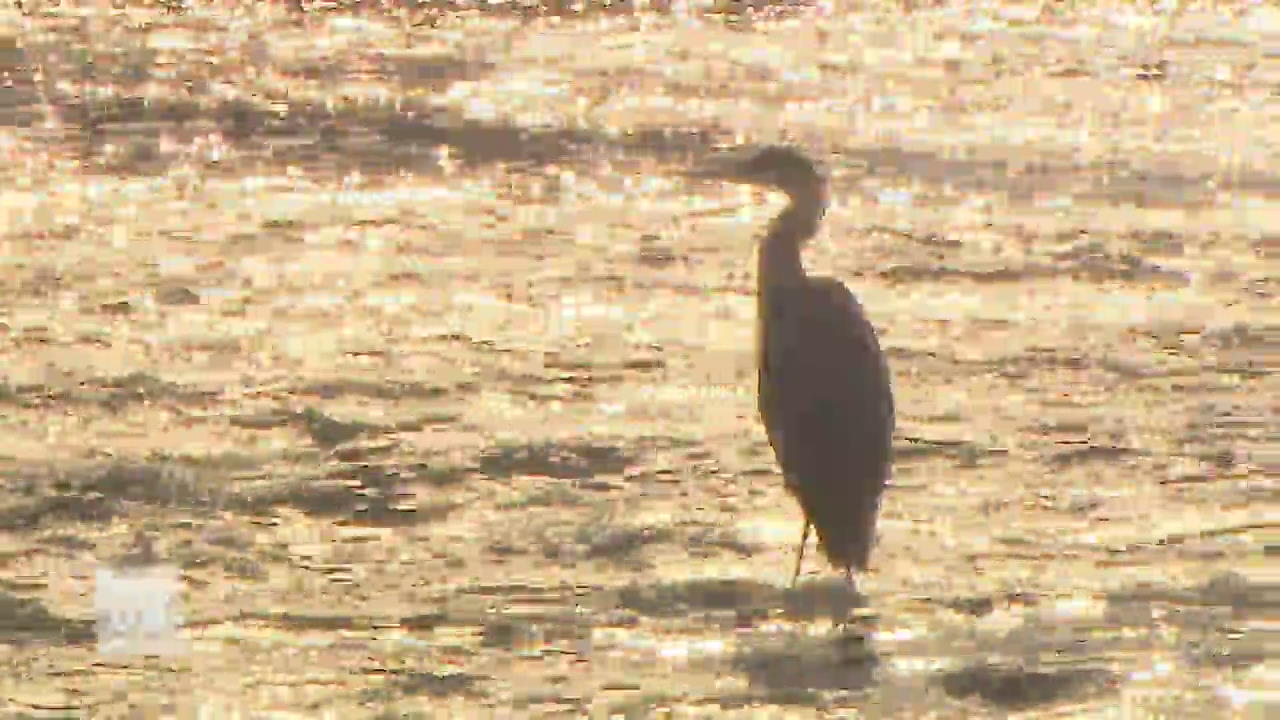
pixel 804 538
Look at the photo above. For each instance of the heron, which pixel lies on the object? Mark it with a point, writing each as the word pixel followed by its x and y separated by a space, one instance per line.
pixel 825 394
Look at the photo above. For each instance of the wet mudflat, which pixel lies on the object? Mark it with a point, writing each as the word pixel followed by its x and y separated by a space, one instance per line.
pixel 408 346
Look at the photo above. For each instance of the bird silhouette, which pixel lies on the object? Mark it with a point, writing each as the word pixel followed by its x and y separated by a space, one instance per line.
pixel 825 393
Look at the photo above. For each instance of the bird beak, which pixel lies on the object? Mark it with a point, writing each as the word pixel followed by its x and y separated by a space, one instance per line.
pixel 724 165
pixel 700 172
pixel 707 170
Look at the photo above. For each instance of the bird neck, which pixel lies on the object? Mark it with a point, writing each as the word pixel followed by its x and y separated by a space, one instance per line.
pixel 779 260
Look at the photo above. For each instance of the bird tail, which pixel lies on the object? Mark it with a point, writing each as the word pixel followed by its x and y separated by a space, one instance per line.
pixel 845 540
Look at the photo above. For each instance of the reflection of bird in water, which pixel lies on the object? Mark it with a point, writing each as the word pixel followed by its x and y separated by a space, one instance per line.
pixel 825 394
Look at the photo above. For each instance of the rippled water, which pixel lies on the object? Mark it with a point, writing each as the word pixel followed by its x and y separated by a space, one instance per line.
pixel 410 348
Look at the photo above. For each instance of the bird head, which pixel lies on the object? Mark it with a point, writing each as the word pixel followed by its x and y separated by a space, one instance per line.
pixel 774 166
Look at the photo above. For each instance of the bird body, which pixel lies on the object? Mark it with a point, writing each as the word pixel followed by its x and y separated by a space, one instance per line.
pixel 816 352
pixel 825 395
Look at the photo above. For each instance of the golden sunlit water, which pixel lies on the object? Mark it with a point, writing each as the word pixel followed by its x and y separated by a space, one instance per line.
pixel 395 329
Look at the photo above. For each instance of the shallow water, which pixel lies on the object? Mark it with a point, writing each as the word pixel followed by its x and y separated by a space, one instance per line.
pixel 410 348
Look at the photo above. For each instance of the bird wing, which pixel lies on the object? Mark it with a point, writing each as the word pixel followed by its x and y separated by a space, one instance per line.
pixel 825 394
